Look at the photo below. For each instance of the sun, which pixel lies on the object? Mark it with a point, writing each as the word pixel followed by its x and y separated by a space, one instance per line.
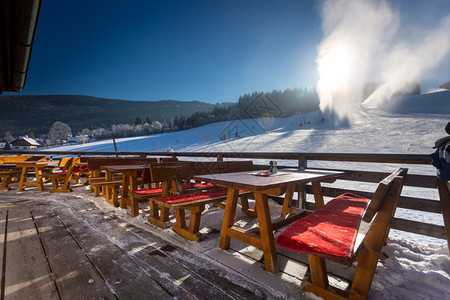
pixel 334 68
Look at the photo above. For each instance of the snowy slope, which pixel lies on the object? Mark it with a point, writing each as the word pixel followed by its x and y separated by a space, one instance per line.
pixel 406 125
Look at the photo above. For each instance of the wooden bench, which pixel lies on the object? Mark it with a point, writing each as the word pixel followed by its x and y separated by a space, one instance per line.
pixel 195 199
pixel 181 180
pixel 7 176
pixel 334 233
pixel 94 163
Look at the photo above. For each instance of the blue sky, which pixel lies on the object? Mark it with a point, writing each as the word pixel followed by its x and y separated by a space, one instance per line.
pixel 211 51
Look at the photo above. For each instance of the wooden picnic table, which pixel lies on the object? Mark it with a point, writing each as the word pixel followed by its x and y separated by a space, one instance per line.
pixel 281 183
pixel 129 179
pixel 37 166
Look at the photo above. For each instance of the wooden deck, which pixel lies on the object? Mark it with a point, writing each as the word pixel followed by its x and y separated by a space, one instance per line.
pixel 75 246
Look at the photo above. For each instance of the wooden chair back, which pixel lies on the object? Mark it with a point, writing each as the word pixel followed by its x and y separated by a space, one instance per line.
pixel 203 168
pixel 64 178
pixel 64 163
pixel 94 163
pixel 380 194
pixel 164 173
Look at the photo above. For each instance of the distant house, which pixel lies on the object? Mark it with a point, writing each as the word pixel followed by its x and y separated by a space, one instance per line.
pixel 42 142
pixel 24 143
pixel 5 146
pixel 72 140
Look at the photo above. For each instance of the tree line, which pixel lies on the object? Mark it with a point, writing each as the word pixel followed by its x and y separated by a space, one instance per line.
pixel 279 103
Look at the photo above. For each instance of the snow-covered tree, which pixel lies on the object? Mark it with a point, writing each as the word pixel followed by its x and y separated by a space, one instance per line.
pixel 59 132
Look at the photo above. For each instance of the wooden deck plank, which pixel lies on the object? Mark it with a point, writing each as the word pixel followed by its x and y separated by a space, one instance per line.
pixel 250 268
pixel 171 266
pixel 3 214
pixel 127 279
pixel 220 279
pixel 74 274
pixel 27 273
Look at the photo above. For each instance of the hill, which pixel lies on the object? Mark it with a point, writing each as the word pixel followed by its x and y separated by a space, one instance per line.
pixel 25 114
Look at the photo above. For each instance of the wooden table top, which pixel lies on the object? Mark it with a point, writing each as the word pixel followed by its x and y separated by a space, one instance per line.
pixel 250 181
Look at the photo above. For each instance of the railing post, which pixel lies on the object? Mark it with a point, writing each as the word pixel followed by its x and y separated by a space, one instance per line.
pixel 300 188
pixel 444 196
pixel 219 157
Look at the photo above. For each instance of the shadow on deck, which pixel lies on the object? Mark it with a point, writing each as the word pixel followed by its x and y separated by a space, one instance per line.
pixel 75 246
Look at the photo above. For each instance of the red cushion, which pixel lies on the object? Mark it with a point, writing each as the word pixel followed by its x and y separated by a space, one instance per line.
pixel 204 185
pixel 194 196
pixel 148 192
pixel 198 185
pixel 60 173
pixel 329 232
pixel 186 186
pixel 79 169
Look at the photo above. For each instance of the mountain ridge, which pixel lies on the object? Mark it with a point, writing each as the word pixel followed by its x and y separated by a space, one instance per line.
pixel 22 114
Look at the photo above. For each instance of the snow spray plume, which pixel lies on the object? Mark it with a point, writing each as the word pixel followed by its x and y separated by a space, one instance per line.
pixel 362 44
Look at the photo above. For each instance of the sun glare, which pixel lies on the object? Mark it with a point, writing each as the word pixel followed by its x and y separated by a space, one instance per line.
pixel 334 68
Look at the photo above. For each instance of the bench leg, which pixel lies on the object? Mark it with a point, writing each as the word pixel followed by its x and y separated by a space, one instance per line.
pixel 134 205
pixel 77 178
pixel 367 263
pixel 114 200
pixel 316 280
pixel 318 269
pixel 55 185
pixel 6 180
pixel 180 218
pixel 192 232
pixel 155 217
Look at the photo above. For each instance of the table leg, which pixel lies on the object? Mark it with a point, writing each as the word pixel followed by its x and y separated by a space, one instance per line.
pixel 318 194
pixel 134 206
pixel 124 192
pixel 287 209
pixel 133 184
pixel 228 218
pixel 266 232
pixel 39 181
pixel 106 191
pixel 23 178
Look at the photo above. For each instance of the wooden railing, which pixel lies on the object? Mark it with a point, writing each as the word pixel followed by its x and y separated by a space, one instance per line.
pixel 363 168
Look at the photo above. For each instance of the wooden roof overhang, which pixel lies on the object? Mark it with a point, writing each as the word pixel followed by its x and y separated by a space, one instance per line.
pixel 18 21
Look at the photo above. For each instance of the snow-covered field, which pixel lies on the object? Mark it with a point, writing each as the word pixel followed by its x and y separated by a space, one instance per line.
pixel 409 125
pixel 415 267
